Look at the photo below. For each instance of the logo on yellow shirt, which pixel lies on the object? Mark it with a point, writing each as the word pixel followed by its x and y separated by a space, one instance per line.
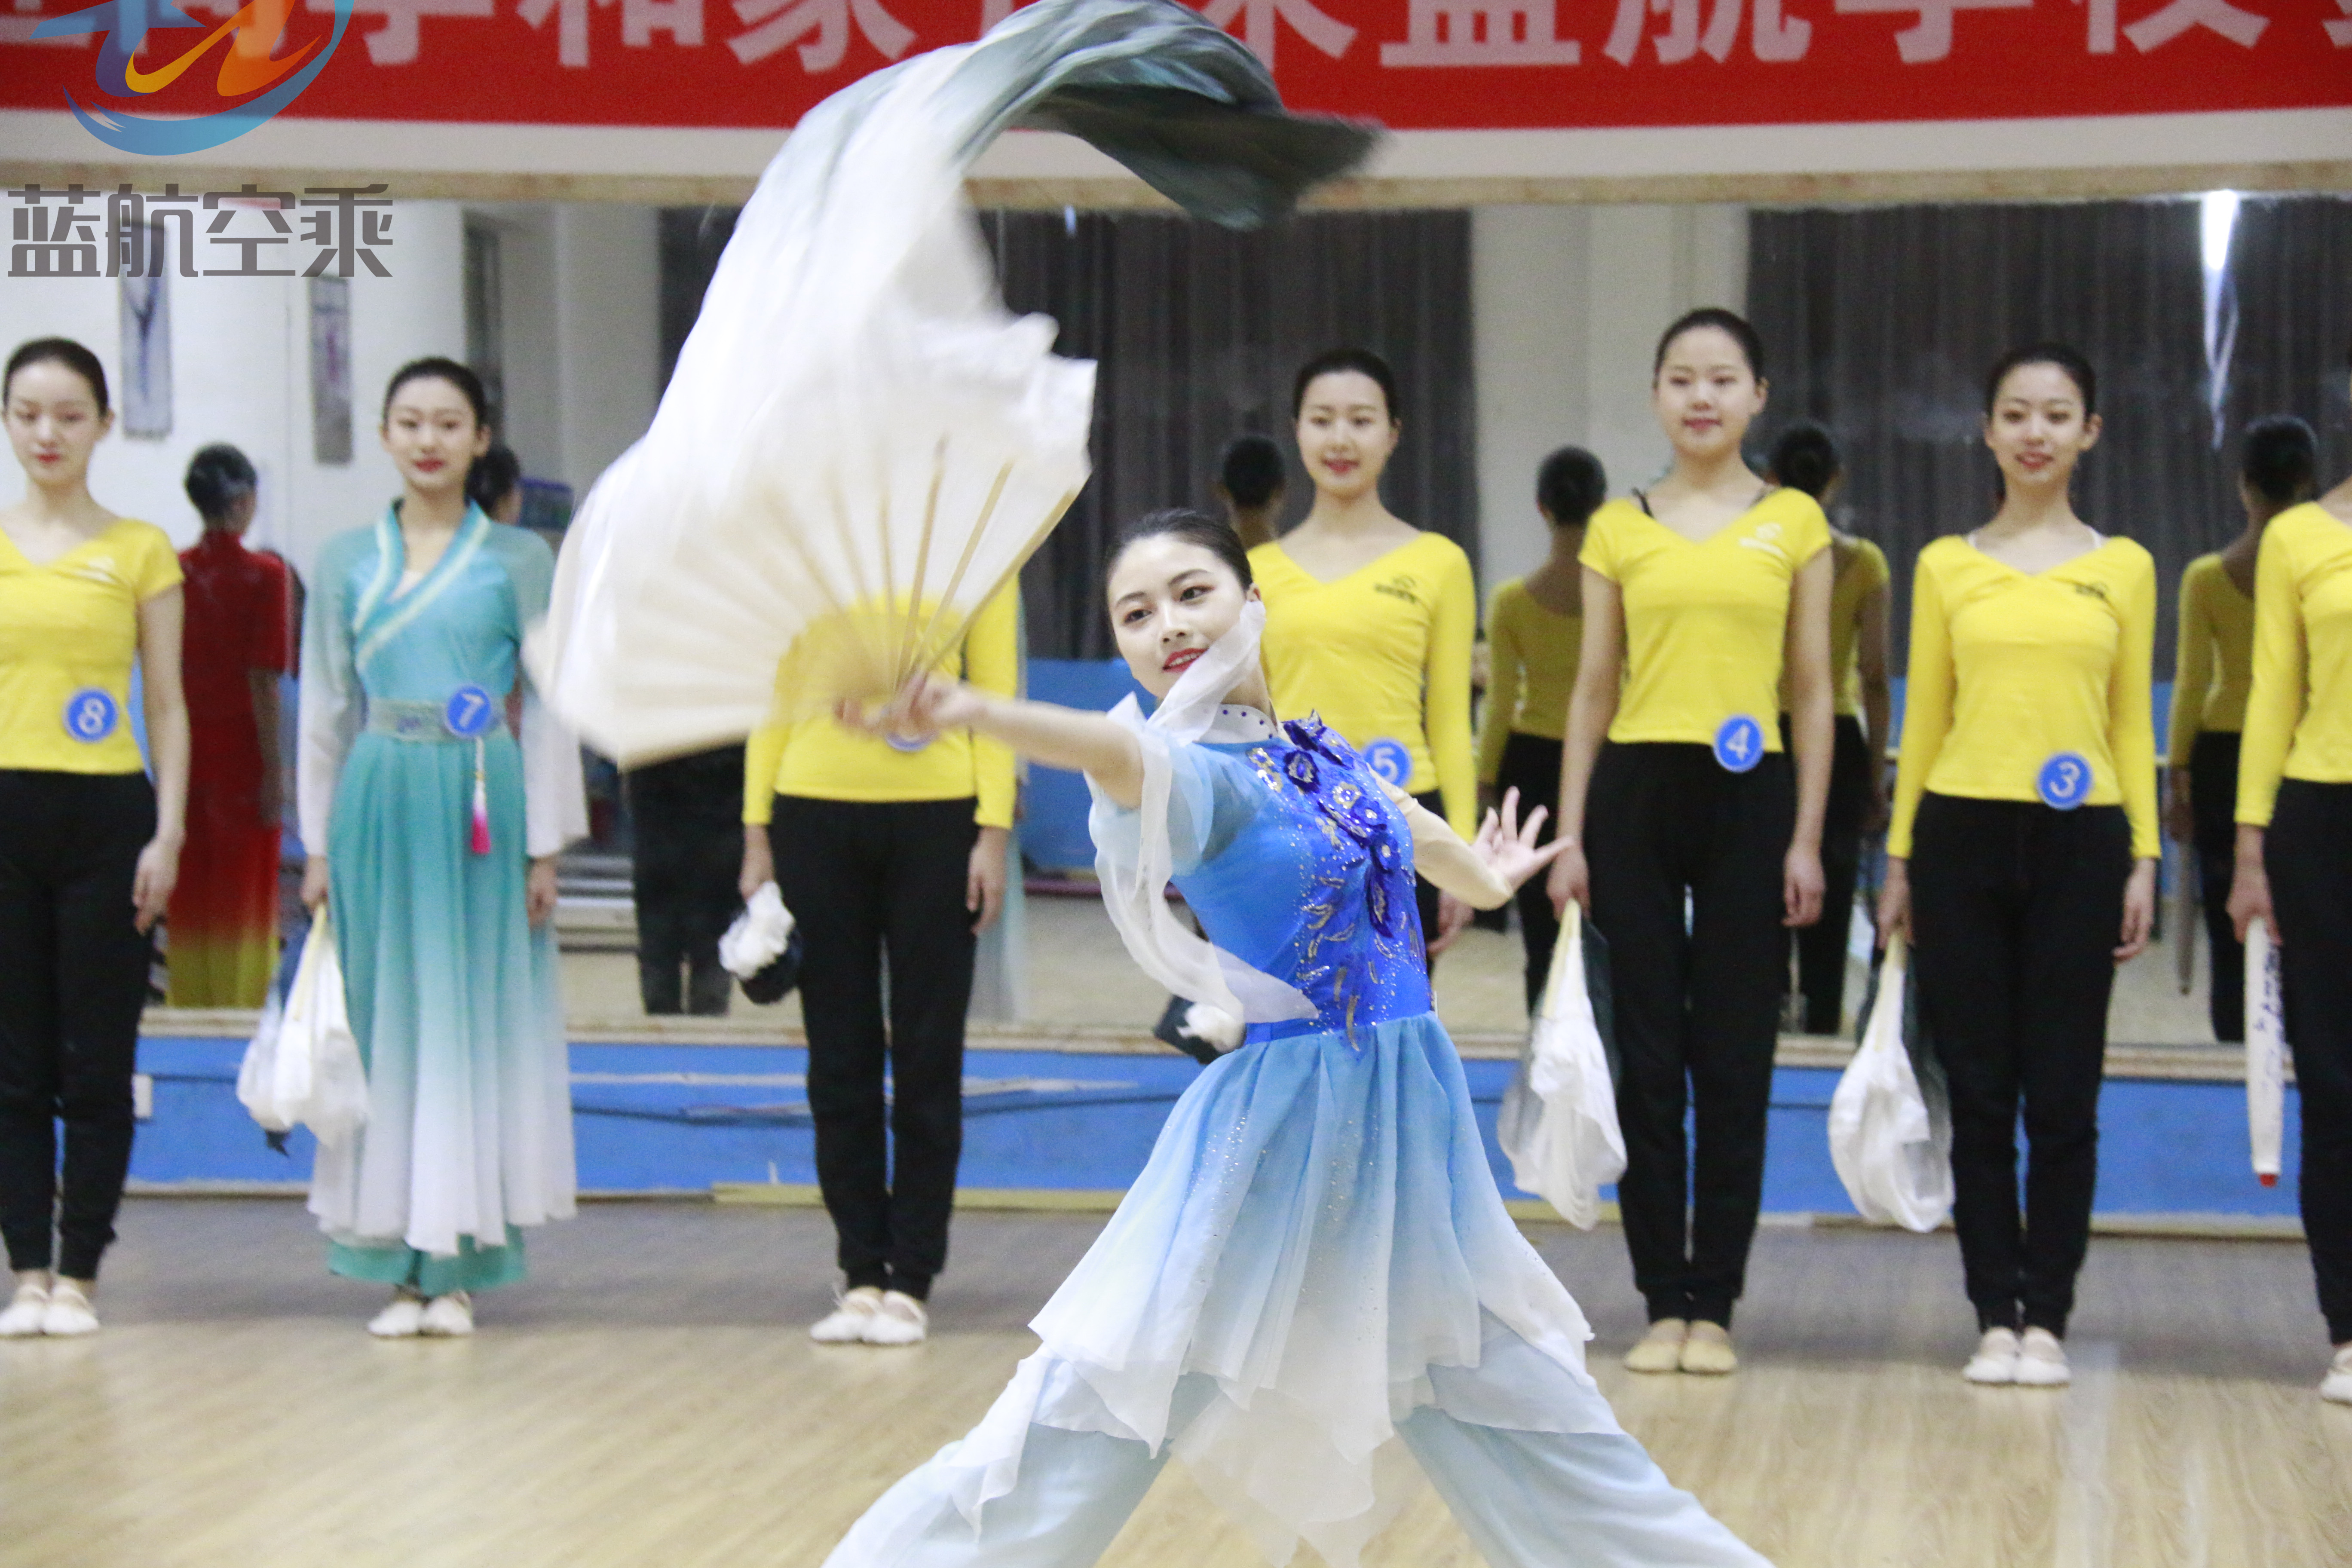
pixel 98 569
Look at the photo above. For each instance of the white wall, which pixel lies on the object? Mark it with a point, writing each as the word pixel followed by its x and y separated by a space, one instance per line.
pixel 1567 304
pixel 607 297
pixel 240 366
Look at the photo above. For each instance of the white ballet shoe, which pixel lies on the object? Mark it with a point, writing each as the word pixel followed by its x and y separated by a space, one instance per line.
pixel 449 1317
pixel 852 1310
pixel 1660 1349
pixel 70 1315
pixel 22 1319
pixel 2336 1385
pixel 899 1319
pixel 400 1319
pixel 1996 1358
pixel 2042 1361
pixel 1706 1351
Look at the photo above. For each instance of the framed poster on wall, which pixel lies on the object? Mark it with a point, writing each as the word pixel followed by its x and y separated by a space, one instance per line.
pixel 330 370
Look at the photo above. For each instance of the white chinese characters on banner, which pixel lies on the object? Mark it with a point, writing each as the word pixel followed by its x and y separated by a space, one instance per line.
pixel 2340 33
pixel 1930 37
pixel 640 20
pixel 1481 33
pixel 2240 26
pixel 1259 19
pixel 394 43
pixel 1775 36
pixel 830 20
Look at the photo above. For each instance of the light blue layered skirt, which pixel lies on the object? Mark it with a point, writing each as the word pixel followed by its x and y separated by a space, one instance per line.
pixel 1316 1249
pixel 454 999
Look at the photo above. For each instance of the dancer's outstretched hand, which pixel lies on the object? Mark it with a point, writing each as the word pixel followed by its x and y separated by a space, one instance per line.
pixel 1508 845
pixel 924 705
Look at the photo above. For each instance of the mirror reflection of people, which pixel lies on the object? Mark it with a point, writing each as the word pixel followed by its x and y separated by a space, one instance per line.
pixel 494 483
pixel 2021 857
pixel 434 833
pixel 1534 632
pixel 685 848
pixel 1369 620
pixel 1314 1267
pixel 2214 676
pixel 2294 867
pixel 224 919
pixel 1251 485
pixel 1693 844
pixel 88 848
pixel 1805 457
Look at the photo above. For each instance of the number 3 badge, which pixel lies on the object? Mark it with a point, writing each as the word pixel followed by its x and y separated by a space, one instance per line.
pixel 1739 744
pixel 2065 780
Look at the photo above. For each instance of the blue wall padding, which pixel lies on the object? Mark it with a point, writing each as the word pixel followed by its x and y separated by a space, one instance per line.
pixel 2167 1147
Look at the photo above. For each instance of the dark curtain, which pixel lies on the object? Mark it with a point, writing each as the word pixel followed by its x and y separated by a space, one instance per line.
pixel 1883 322
pixel 2291 266
pixel 1196 332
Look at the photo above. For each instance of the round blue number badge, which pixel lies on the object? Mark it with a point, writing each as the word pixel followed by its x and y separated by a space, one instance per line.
pixel 1391 760
pixel 471 713
pixel 1739 744
pixel 92 715
pixel 2065 780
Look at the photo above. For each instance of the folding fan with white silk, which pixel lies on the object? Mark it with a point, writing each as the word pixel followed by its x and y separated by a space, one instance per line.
pixel 860 446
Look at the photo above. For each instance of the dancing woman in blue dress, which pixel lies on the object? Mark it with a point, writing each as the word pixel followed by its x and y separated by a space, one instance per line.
pixel 1314 1277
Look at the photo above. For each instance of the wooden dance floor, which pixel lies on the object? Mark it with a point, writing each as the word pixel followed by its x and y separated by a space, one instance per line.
pixel 649 1399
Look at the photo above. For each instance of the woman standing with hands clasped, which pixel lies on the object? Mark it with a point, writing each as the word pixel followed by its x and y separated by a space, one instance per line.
pixel 1370 620
pixel 88 848
pixel 2022 860
pixel 434 834
pixel 2294 860
pixel 1697 595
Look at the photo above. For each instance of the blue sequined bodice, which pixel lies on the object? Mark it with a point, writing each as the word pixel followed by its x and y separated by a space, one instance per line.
pixel 1307 875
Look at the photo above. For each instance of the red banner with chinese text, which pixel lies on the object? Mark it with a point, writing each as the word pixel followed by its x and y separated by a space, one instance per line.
pixel 1410 64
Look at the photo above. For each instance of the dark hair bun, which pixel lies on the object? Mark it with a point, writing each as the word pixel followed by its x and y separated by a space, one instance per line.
pixel 1570 485
pixel 218 477
pixel 1805 457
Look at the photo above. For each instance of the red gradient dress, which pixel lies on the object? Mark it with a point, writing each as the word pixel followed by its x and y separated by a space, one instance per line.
pixel 224 916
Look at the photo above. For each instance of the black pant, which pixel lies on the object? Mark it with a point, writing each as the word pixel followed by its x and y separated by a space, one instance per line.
pixel 869 880
pixel 1531 765
pixel 73 981
pixel 686 849
pixel 1698 1005
pixel 2016 909
pixel 2308 854
pixel 1820 947
pixel 2214 802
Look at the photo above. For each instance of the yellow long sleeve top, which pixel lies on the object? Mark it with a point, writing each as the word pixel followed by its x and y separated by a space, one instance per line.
pixel 1383 655
pixel 2010 670
pixel 820 759
pixel 2299 717
pixel 1707 623
pixel 69 635
pixel 2214 666
pixel 1535 653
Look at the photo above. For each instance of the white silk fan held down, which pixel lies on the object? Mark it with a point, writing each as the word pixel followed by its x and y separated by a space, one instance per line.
pixel 860 445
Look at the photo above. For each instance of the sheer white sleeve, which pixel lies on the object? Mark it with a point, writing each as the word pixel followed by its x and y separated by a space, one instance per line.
pixel 555 793
pixel 1136 851
pixel 329 708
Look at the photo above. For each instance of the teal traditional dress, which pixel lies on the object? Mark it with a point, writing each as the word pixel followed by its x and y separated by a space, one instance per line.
pixel 405 760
